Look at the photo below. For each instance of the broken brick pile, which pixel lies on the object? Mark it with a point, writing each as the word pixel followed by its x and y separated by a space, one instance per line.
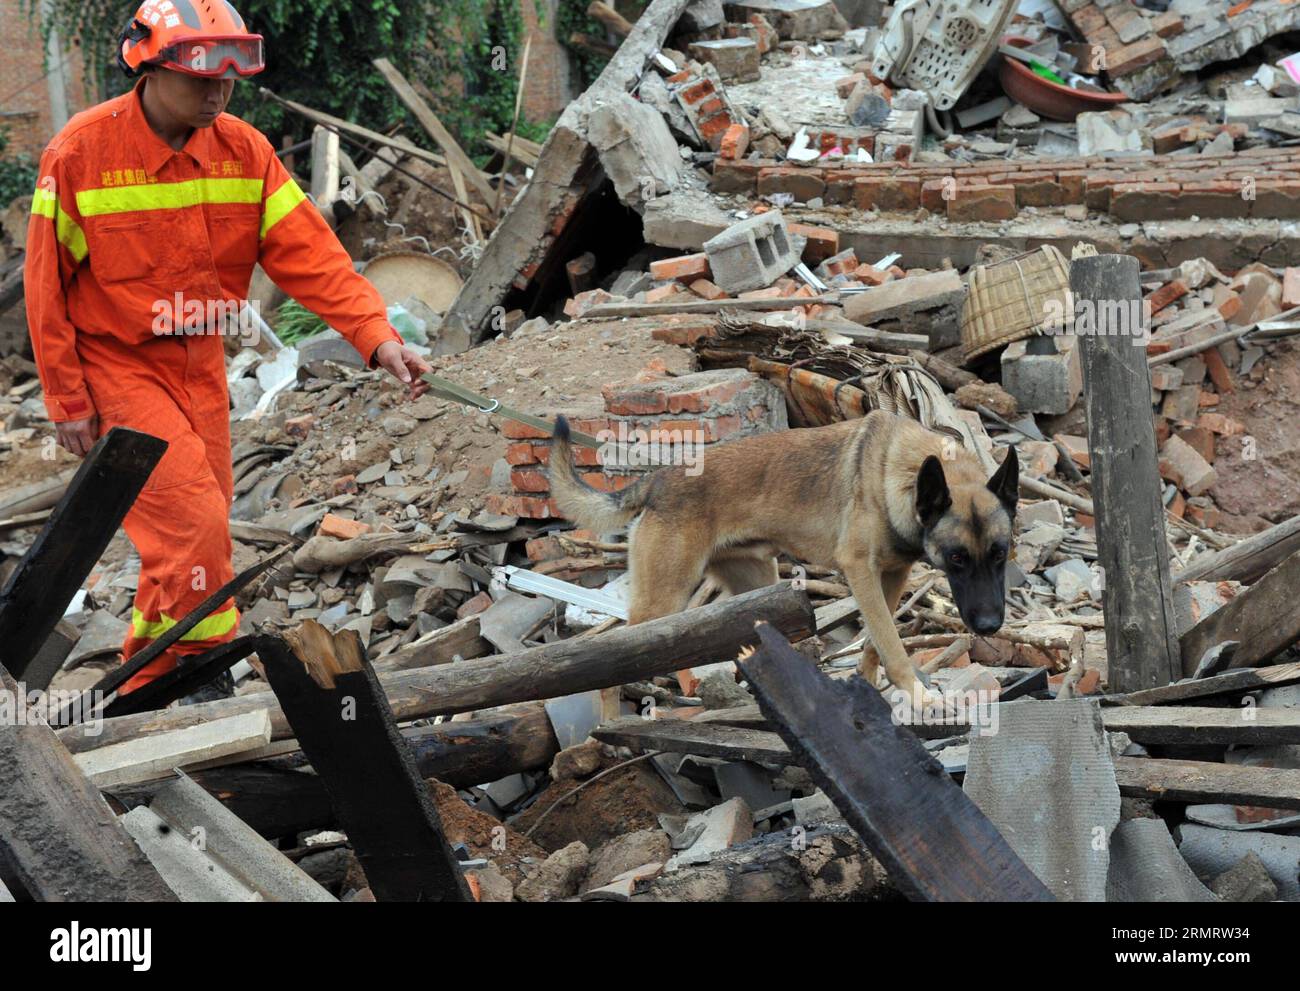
pixel 703 408
pixel 1254 183
pixel 1130 39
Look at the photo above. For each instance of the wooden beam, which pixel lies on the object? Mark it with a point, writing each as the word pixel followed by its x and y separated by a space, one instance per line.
pixel 686 736
pixel 277 800
pixel 1207 781
pixel 84 521
pixel 603 311
pixel 153 757
pixel 1228 683
pixel 1248 560
pixel 1265 618
pixel 1141 633
pixel 610 17
pixel 405 145
pixel 346 729
pixel 58 836
pixel 935 843
pixel 579 664
pixel 457 160
pixel 1199 724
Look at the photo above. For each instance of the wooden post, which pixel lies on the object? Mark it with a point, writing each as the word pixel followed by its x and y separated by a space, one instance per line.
pixel 82 524
pixel 338 711
pixel 934 841
pixel 324 165
pixel 1141 635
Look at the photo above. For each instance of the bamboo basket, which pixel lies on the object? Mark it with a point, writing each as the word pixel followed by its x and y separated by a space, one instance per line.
pixel 1014 299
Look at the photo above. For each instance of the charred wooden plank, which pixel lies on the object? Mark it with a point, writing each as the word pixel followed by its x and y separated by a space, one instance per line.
pixel 686 737
pixel 1265 618
pixel 193 674
pixel 58 836
pixel 1207 781
pixel 935 843
pixel 342 721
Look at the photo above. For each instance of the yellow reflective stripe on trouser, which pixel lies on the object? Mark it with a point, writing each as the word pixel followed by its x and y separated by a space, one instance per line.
pixel 167 195
pixel 279 203
pixel 67 230
pixel 208 628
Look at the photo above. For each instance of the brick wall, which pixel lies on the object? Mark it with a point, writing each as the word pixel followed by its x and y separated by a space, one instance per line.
pixel 550 83
pixel 1257 182
pixel 706 408
pixel 24 91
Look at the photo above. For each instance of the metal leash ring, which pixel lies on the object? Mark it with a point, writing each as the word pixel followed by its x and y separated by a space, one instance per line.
pixel 496 404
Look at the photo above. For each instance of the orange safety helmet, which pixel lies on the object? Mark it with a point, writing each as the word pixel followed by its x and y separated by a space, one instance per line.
pixel 199 37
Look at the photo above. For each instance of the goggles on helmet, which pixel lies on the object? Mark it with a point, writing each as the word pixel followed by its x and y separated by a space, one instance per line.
pixel 215 57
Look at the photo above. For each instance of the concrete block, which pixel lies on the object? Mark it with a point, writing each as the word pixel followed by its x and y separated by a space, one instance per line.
pixel 700 16
pixel 927 304
pixel 1042 379
pixel 636 149
pixel 736 59
pixel 751 254
pixel 684 219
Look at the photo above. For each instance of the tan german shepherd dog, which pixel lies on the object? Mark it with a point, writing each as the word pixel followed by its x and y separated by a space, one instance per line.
pixel 869 497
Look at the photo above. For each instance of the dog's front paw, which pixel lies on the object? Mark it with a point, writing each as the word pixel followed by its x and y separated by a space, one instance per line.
pixel 919 704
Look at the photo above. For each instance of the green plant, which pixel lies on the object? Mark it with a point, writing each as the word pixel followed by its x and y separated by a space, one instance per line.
pixel 294 322
pixel 17 172
pixel 572 18
pixel 465 53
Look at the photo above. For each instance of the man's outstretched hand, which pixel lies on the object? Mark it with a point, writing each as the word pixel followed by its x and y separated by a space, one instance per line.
pixel 78 436
pixel 404 365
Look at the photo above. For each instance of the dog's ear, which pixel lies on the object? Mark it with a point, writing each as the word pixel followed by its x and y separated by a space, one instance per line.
pixel 932 498
pixel 1005 483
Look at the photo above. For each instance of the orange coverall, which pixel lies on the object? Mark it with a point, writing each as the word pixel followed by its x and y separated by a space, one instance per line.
pixel 124 228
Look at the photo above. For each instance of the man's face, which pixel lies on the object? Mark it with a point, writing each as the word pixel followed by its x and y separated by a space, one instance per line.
pixel 195 101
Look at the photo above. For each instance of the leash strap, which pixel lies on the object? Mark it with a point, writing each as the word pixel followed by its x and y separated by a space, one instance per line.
pixel 446 389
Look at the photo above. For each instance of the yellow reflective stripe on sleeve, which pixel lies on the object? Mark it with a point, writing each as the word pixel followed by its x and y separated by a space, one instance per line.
pixel 279 203
pixel 67 230
pixel 208 628
pixel 167 195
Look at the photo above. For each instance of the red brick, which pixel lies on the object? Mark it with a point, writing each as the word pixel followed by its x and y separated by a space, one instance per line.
pixel 1218 371
pixel 684 268
pixel 529 480
pixel 822 242
pixel 1145 201
pixel 735 142
pixel 1215 199
pixel 1166 294
pixel 683 336
pixel 515 430
pixel 982 203
pixel 1201 440
pixel 887 193
pixel 341 528
pixel 1290 288
pixel 525 506
pixel 735 177
pixel 662 293
pixel 1217 423
pixel 706 289
pixel 520 454
pixel 1276 199
pixel 803 184
pixel 933 193
pixel 1127 59
pixel 1038 189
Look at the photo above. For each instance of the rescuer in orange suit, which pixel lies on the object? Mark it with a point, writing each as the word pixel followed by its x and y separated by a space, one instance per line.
pixel 159 198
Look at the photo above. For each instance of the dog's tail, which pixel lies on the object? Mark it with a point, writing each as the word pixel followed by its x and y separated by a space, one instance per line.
pixel 602 512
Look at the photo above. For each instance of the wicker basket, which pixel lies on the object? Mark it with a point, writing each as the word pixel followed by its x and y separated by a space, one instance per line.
pixel 1014 299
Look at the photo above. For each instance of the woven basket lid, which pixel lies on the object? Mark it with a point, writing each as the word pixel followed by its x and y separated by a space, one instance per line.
pixel 399 275
pixel 1014 299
